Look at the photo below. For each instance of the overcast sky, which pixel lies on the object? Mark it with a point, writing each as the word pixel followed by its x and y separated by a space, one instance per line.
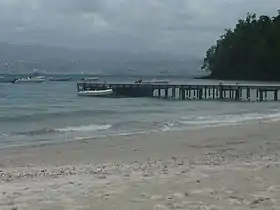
pixel 176 26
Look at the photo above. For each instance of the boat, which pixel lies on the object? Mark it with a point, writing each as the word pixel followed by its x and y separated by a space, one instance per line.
pixel 6 79
pixel 38 79
pixel 90 79
pixel 60 79
pixel 153 81
pixel 96 93
pixel 2 79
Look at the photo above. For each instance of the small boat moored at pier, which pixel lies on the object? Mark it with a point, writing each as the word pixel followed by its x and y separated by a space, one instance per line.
pixel 102 91
pixel 96 93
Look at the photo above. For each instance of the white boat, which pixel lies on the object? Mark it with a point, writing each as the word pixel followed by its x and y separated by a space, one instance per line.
pixel 38 79
pixel 90 79
pixel 96 93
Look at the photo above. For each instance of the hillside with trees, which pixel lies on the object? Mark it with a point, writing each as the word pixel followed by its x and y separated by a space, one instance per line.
pixel 251 51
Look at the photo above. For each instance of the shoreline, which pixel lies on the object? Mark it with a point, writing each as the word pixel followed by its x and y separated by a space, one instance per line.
pixel 219 168
pixel 135 134
pixel 128 138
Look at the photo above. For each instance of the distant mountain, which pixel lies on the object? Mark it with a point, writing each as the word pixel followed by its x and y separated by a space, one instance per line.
pixel 24 58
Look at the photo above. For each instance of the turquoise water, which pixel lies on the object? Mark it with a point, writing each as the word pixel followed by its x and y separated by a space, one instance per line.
pixel 52 112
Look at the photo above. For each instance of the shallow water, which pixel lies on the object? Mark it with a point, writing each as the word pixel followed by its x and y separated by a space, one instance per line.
pixel 52 112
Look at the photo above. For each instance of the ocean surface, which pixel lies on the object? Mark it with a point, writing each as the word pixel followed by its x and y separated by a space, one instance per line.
pixel 52 113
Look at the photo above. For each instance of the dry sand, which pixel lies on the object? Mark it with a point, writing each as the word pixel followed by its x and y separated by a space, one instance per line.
pixel 214 168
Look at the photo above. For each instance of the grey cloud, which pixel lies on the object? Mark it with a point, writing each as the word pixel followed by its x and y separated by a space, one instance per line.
pixel 178 26
pixel 72 6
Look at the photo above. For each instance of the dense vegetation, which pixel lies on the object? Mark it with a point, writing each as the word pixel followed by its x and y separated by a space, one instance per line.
pixel 251 51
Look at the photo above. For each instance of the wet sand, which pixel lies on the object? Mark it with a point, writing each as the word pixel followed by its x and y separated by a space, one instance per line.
pixel 233 167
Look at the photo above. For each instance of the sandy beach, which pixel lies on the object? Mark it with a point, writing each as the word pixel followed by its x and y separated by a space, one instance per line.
pixel 235 167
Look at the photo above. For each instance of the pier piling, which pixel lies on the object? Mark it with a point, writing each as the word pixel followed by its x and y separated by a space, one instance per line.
pixel 275 95
pixel 173 92
pixel 183 94
pixel 249 94
pixel 261 95
pixel 166 93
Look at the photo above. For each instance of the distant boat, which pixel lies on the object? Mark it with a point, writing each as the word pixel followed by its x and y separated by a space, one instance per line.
pixel 153 81
pixel 61 79
pixel 2 79
pixel 90 79
pixel 96 93
pixel 6 79
pixel 38 79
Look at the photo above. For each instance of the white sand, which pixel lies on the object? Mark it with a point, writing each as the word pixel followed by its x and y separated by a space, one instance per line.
pixel 216 168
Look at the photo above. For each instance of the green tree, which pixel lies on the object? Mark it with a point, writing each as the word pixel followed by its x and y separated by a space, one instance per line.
pixel 251 51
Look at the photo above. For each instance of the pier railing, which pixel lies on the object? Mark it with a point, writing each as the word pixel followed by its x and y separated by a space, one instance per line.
pixel 236 92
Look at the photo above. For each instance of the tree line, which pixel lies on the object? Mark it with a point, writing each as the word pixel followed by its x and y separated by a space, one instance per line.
pixel 250 51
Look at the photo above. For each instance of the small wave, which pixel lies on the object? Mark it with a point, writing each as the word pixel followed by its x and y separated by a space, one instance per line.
pixel 43 131
pixel 117 134
pixel 46 131
pixel 52 115
pixel 84 128
pixel 218 120
pixel 230 119
pixel 170 125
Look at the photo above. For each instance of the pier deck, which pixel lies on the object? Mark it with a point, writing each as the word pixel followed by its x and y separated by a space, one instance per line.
pixel 222 91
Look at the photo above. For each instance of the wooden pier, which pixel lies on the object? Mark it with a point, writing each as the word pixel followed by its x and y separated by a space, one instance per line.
pixel 233 92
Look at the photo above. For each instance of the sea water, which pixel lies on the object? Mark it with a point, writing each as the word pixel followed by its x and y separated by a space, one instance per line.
pixel 52 112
